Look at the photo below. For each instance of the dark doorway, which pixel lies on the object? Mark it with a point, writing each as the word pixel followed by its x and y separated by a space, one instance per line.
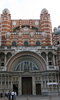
pixel 26 85
pixel 38 89
pixel 15 88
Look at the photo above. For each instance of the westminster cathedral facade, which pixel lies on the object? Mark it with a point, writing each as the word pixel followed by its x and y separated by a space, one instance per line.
pixel 29 55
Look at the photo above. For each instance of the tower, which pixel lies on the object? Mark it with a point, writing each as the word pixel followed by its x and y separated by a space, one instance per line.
pixel 45 26
pixel 56 36
pixel 0 30
pixel 6 24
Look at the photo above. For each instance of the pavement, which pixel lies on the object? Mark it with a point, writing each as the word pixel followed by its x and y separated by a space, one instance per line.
pixel 3 98
pixel 34 98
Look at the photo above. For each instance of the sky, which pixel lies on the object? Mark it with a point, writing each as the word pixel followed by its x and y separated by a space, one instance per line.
pixel 31 9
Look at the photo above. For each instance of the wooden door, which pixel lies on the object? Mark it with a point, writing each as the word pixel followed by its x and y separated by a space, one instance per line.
pixel 38 89
pixel 26 85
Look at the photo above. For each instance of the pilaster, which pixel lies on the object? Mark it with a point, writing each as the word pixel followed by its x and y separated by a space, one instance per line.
pixel 20 87
pixel 33 86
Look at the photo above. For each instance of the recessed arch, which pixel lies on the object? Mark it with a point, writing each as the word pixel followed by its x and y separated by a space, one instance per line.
pixel 9 54
pixel 43 54
pixel 2 55
pixel 26 43
pixel 17 58
pixel 37 43
pixel 58 43
pixel 50 55
pixel 2 58
pixel 50 58
pixel 14 43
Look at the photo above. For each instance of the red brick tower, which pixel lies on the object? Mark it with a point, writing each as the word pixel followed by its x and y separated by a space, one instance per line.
pixel 18 32
pixel 56 36
pixel 6 24
pixel 45 26
pixel 0 30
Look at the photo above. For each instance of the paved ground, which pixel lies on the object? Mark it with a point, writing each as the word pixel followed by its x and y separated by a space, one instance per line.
pixel 35 98
pixel 38 98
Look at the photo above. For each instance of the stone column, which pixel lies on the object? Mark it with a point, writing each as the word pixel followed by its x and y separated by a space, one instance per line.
pixel 11 83
pixel 52 81
pixel 1 81
pixel 5 58
pixel 42 86
pixel 53 60
pixel 8 82
pixel 5 61
pixel 47 60
pixel 47 84
pixel 20 86
pixel 5 84
pixel 33 86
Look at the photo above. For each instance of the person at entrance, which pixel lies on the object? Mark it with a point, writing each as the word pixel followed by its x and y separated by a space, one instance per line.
pixel 9 95
pixel 12 94
pixel 15 95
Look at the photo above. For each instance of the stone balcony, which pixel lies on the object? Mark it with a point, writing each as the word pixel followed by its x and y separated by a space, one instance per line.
pixel 33 48
pixel 52 67
pixel 29 47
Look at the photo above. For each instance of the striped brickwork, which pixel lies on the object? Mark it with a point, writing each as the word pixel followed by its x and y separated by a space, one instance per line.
pixel 26 30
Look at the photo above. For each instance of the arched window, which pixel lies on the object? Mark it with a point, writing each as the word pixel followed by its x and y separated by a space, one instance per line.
pixel 37 43
pixel 50 55
pixel 26 66
pixel 26 43
pixel 43 54
pixel 14 43
pixel 2 59
pixel 57 42
pixel 8 55
pixel 50 58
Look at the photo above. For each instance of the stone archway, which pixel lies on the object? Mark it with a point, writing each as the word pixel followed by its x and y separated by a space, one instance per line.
pixel 31 62
pixel 17 58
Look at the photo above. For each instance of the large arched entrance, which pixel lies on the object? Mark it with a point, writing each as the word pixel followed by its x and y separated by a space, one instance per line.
pixel 27 64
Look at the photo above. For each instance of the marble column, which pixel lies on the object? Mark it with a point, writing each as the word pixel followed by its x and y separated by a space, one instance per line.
pixel 20 87
pixel 5 62
pixel 53 60
pixel 1 81
pixel 11 83
pixel 8 82
pixel 33 86
pixel 47 60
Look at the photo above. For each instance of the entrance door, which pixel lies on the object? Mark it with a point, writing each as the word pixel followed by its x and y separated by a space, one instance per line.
pixel 27 85
pixel 38 89
pixel 15 88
